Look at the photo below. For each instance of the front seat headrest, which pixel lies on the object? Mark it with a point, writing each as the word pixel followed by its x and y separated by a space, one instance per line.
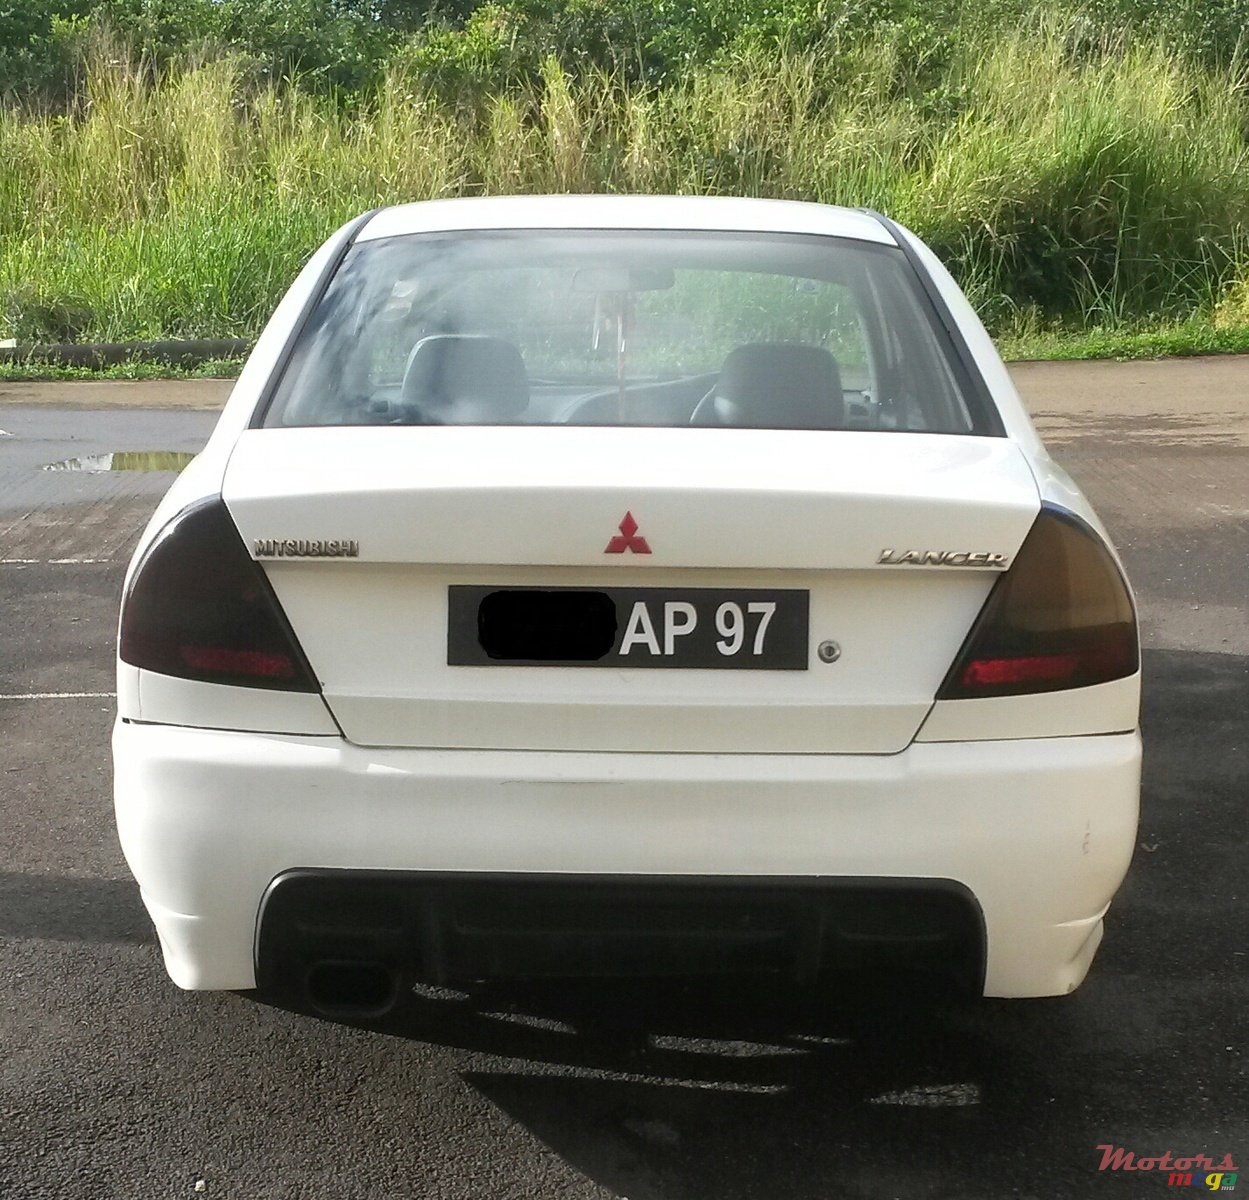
pixel 465 379
pixel 775 385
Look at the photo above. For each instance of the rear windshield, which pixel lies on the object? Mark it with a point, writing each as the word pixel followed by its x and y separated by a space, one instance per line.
pixel 625 328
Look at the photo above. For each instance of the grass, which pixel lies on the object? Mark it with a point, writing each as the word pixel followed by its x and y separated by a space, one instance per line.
pixel 1164 341
pixel 1091 197
pixel 33 372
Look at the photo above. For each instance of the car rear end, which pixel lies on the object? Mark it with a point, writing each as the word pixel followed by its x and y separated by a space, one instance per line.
pixel 654 587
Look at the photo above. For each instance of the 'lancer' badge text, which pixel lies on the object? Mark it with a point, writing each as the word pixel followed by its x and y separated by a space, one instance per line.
pixel 943 558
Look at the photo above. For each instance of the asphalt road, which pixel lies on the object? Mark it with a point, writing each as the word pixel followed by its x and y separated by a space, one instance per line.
pixel 115 1084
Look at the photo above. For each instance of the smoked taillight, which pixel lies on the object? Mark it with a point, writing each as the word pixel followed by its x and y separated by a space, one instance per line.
pixel 1060 617
pixel 200 607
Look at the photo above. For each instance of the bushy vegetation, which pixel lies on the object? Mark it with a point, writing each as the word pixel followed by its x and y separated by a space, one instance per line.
pixel 165 169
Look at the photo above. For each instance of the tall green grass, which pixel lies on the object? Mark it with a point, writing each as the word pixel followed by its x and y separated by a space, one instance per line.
pixel 1066 182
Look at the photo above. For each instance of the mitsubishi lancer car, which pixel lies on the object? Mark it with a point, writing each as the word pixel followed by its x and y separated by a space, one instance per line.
pixel 625 586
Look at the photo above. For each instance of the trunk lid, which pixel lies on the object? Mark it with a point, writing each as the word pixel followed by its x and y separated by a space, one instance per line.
pixel 427 509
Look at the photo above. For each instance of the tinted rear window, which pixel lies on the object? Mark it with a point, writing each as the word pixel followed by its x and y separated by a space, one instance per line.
pixel 625 328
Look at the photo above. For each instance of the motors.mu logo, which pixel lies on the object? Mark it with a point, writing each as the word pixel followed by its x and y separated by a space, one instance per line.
pixel 1194 1170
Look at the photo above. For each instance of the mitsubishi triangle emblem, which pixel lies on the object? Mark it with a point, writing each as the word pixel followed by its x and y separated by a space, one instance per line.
pixel 628 539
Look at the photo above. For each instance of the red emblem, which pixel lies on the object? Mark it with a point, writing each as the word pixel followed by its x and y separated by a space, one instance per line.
pixel 628 538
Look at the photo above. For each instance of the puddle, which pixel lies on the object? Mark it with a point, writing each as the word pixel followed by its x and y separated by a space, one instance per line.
pixel 125 460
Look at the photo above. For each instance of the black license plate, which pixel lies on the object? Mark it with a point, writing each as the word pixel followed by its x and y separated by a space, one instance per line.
pixel 760 629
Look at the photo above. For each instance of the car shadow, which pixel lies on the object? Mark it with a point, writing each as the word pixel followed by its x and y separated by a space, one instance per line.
pixel 659 1091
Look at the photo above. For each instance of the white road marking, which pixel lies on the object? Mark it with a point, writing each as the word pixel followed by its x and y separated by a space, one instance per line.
pixel 57 695
pixel 51 562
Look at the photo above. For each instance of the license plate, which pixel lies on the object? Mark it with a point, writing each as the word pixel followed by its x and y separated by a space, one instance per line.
pixel 760 629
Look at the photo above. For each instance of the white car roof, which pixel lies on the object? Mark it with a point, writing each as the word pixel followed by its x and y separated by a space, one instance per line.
pixel 625 212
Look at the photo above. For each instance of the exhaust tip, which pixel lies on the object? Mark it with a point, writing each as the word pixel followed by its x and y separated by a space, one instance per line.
pixel 351 988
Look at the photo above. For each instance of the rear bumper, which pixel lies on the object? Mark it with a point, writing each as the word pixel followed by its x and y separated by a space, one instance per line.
pixel 1038 832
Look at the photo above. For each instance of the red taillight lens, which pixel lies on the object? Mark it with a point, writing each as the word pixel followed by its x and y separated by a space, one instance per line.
pixel 199 607
pixel 1061 617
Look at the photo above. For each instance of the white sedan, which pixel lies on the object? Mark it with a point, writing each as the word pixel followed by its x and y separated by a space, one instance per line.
pixel 624 585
